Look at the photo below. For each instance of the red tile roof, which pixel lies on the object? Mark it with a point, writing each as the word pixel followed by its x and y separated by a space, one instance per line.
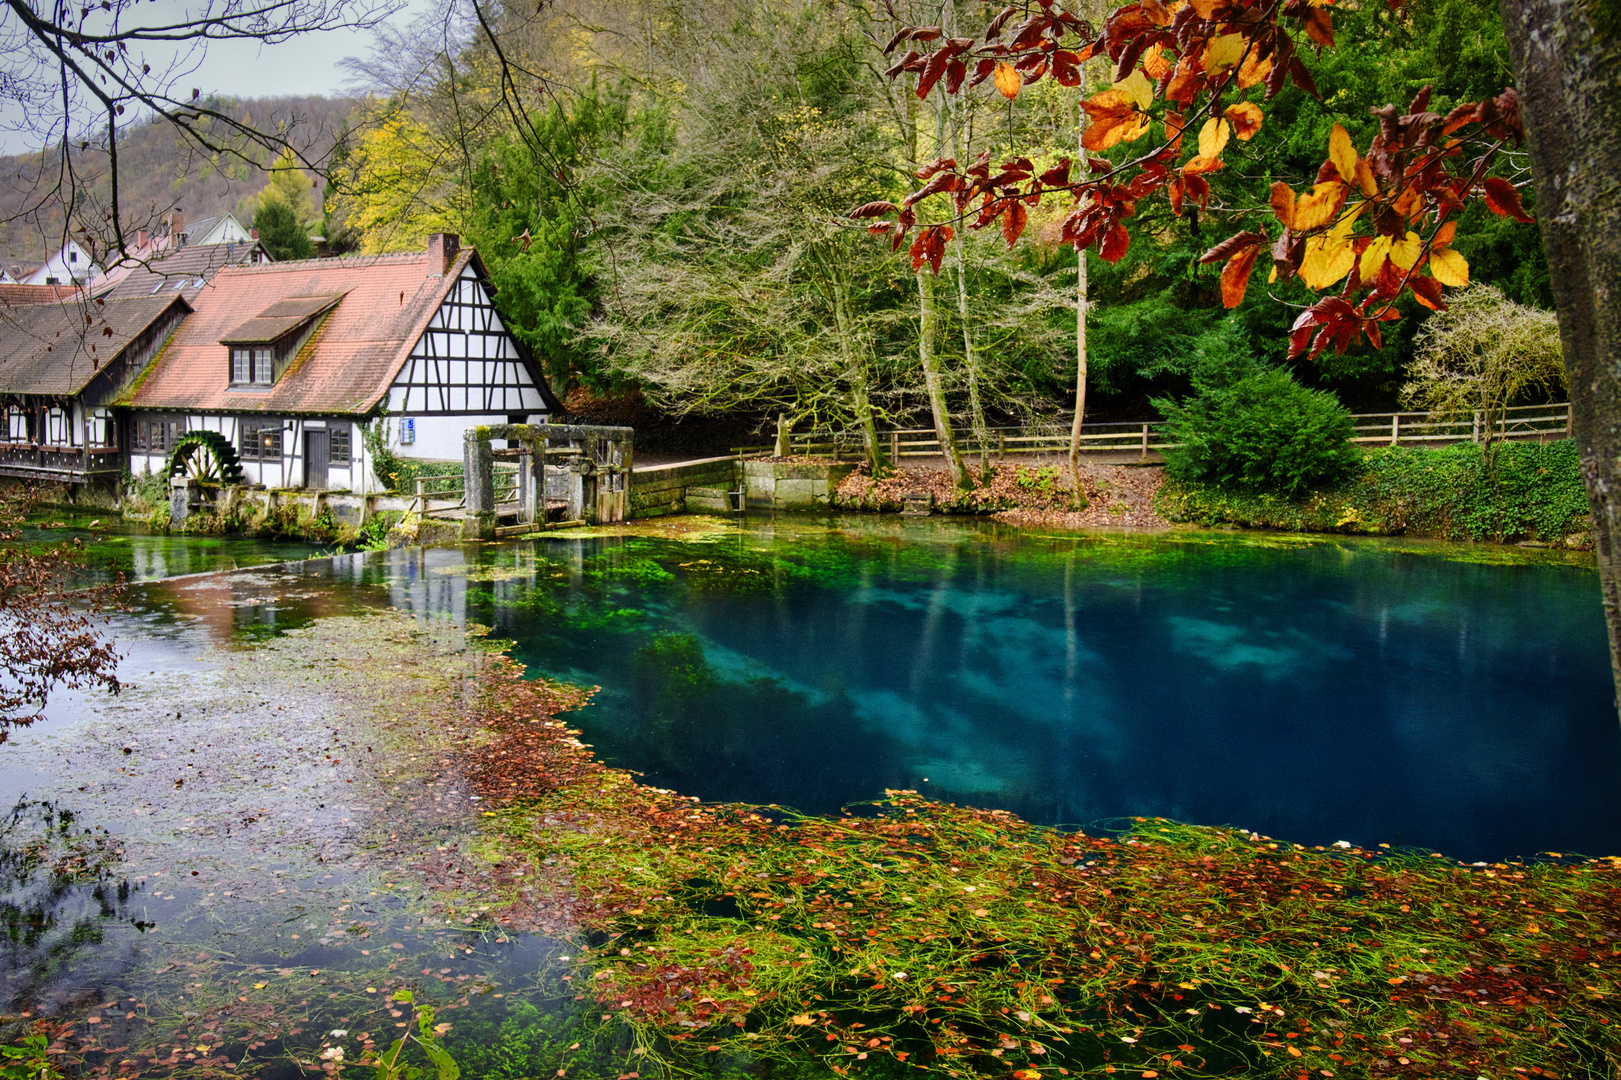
pixel 11 294
pixel 350 360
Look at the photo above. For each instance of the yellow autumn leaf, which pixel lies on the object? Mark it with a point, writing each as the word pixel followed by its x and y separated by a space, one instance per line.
pixel 1364 178
pixel 1342 153
pixel 1373 257
pixel 802 1020
pixel 1329 257
pixel 1319 206
pixel 1213 136
pixel 1008 80
pixel 1449 267
pixel 1224 52
pixel 1137 87
pixel 1252 71
pixel 1405 252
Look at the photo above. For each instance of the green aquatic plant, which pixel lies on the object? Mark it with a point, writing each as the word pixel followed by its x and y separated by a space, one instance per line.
pixel 391 1063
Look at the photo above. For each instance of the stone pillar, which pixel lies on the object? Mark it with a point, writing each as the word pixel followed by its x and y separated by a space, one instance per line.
pixel 478 486
pixel 183 491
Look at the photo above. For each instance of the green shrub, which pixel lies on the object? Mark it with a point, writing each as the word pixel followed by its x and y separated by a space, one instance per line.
pixel 1261 431
pixel 1530 492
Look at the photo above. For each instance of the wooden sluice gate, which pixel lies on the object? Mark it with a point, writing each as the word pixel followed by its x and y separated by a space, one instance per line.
pixel 583 469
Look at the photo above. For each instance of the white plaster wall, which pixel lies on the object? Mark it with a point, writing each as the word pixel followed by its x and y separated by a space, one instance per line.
pixel 439 438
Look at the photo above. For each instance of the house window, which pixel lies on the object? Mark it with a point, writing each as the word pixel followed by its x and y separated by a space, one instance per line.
pixel 58 428
pixel 253 366
pixel 338 444
pixel 157 435
pixel 259 440
pixel 16 425
pixel 99 428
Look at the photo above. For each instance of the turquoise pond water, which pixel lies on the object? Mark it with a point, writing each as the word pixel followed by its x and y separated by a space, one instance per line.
pixel 1310 689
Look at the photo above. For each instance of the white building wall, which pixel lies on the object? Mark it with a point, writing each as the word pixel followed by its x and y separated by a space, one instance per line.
pixel 284 472
pixel 70 264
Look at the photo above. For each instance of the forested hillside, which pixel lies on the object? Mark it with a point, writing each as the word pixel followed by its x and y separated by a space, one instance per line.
pixel 157 173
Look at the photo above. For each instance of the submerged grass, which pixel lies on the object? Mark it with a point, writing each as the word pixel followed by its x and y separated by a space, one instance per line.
pixel 912 934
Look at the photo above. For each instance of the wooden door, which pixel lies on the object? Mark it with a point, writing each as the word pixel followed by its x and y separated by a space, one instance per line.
pixel 317 458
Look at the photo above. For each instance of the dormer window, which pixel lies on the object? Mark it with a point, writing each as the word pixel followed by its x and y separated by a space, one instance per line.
pixel 252 366
pixel 263 347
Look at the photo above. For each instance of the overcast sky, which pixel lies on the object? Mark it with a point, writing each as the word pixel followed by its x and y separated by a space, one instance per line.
pixel 308 64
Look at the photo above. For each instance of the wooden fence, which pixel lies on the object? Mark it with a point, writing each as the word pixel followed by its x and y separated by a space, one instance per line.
pixel 1541 422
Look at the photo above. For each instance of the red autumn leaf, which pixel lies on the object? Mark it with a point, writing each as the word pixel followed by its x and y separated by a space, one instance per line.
pixel 1058 175
pixel 1232 246
pixel 1503 199
pixel 873 209
pixel 1114 117
pixel 1319 26
pixel 1115 243
pixel 1427 291
pixel 933 70
pixel 1235 276
pixel 1013 222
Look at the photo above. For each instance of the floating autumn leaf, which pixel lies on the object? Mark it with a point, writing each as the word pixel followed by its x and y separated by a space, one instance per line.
pixel 1342 153
pixel 802 1020
pixel 1213 137
pixel 1007 80
pixel 1319 207
pixel 1115 118
pixel 1246 118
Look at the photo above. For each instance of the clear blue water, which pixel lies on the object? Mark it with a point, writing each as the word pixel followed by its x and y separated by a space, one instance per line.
pixel 1453 698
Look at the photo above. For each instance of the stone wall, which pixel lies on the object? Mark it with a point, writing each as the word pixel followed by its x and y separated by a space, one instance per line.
pixel 786 485
pixel 656 490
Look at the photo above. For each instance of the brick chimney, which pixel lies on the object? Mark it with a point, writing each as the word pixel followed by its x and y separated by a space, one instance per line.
pixel 442 250
pixel 177 229
pixel 141 238
pixel 253 233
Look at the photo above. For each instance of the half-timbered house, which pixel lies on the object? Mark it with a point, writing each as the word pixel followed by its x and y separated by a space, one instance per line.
pixel 294 362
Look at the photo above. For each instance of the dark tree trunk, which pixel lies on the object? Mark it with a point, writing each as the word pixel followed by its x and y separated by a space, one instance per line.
pixel 1567 64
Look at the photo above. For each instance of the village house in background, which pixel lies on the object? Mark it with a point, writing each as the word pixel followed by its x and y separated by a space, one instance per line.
pixel 289 362
pixel 181 259
pixel 69 265
pixel 286 363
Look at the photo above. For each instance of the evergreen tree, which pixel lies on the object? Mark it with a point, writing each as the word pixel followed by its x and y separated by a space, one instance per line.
pixel 284 237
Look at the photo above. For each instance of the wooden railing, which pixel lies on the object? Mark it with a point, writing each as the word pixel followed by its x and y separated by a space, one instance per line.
pixel 1541 422
pixel 449 492
pixel 67 463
